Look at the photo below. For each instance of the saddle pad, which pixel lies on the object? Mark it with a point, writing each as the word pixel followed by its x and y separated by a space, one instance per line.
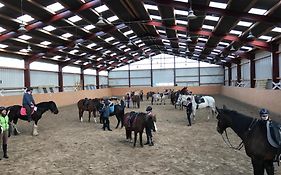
pixel 273 131
pixel 23 110
pixel 111 109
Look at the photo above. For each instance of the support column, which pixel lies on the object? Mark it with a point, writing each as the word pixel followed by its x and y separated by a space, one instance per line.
pixel 175 80
pixel 229 74
pixel 129 75
pixel 223 74
pixel 26 73
pixel 60 77
pixel 97 79
pixel 252 70
pixel 82 82
pixel 238 71
pixel 151 72
pixel 199 73
pixel 275 63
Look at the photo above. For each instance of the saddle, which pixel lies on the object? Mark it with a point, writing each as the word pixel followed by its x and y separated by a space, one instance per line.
pixel 274 133
pixel 199 99
pixel 23 110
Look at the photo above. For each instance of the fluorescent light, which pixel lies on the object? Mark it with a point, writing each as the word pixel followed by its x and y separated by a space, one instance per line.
pixel 55 7
pixel 99 48
pixel 112 18
pixel 55 57
pixel 117 42
pixel 214 53
pixel 74 51
pixel 246 48
pixel 182 1
pixel 244 23
pixel 264 37
pixel 236 32
pixel 181 22
pixel 212 18
pixel 181 35
pixel 109 39
pixel 89 27
pixel 133 37
pixel 276 29
pixel 257 11
pixel 208 27
pixel 203 39
pixel 49 28
pixel 1 5
pixel 91 45
pixel 155 17
pixel 121 47
pixel 2 46
pixel 128 32
pixel 25 18
pixel 101 8
pixel 151 7
pixel 161 31
pixel 165 40
pixel 2 29
pixel 75 18
pixel 223 43
pixel 46 43
pixel 142 44
pixel 181 12
pixel 67 35
pixel 25 37
pixel 218 5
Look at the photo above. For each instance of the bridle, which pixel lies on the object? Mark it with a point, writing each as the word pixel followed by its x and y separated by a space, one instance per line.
pixel 240 146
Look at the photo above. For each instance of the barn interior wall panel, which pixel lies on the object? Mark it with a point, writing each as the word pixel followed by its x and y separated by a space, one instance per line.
pixel 140 73
pixel 226 74
pixel 245 70
pixel 70 79
pixel 103 80
pixel 162 76
pixel 263 68
pixel 38 78
pixel 89 79
pixel 11 78
pixel 140 82
pixel 118 82
pixel 234 71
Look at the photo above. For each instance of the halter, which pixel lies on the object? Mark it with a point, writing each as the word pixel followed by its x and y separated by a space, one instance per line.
pixel 227 141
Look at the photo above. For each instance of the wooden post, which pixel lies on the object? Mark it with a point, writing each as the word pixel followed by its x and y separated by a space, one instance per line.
pixel 60 78
pixel 151 72
pixel 252 70
pixel 82 83
pixel 175 80
pixel 129 75
pixel 97 79
pixel 26 73
pixel 275 63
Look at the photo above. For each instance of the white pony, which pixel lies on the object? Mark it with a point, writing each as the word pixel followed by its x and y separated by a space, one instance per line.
pixel 202 102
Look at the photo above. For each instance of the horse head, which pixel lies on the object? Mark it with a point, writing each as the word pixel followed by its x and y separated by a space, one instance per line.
pixel 224 120
pixel 53 107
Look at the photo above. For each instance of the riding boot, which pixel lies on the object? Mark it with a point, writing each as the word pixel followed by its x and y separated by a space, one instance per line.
pixel 5 146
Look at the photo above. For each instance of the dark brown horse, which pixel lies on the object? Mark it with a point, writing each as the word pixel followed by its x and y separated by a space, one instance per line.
pixel 136 122
pixel 136 101
pixel 254 137
pixel 90 105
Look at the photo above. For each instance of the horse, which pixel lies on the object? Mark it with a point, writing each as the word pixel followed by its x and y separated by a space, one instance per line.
pixel 136 122
pixel 15 114
pixel 90 105
pixel 199 102
pixel 253 133
pixel 149 94
pixel 156 98
pixel 136 101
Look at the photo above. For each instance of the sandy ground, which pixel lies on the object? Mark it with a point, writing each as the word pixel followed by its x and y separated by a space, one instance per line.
pixel 66 146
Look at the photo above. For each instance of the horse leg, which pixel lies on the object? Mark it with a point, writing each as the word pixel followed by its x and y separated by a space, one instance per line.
pixel 135 139
pixel 118 120
pixel 258 166
pixel 14 124
pixel 81 111
pixel 95 116
pixel 268 164
pixel 89 115
pixel 34 129
pixel 141 144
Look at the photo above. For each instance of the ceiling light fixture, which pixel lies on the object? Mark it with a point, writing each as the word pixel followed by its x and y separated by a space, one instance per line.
pixel 29 48
pixel 191 14
pixel 21 26
pixel 130 43
pixel 100 22
pixel 188 39
pixel 250 36
pixel 232 48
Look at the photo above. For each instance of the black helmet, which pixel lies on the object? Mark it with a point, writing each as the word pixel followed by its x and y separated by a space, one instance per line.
pixel 264 111
pixel 149 108
pixel 2 108
pixel 29 89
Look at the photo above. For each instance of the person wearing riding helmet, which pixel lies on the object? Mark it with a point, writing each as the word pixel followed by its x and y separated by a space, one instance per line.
pixel 264 114
pixel 4 127
pixel 148 129
pixel 28 102
pixel 188 106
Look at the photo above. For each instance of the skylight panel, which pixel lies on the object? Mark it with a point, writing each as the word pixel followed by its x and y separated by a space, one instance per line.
pixel 264 37
pixel 121 47
pixel 67 35
pixel 216 50
pixel 181 12
pixel 46 43
pixel 182 1
pixel 236 32
pixel 55 57
pixel 113 18
pixel 244 23
pixel 25 37
pixel 161 31
pixel 126 50
pixel 138 41
pixel 75 18
pixel 25 18
pixel 128 32
pixel 246 48
pixel 142 44
pixel 2 29
pixel 113 54
pixel 257 11
pixel 2 46
pixel 218 5
pixel 117 42
pixel 223 43
pixel 49 28
pixel 181 22
pixel 182 44
pixel 181 35
pixel 276 29
pixel 55 7
pixel 99 48
pixel 208 27
pixel 155 17
pixel 214 53
pixel 1 5
pixel 151 7
pixel 165 40
pixel 212 18
pixel 101 8
pixel 89 27
pixel 24 50
pixel 203 39
pixel 133 37
pixel 109 39
pixel 91 45
pixel 74 51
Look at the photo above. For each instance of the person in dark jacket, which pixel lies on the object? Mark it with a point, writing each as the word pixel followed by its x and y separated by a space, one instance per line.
pixel 28 103
pixel 188 110
pixel 4 127
pixel 105 116
pixel 148 129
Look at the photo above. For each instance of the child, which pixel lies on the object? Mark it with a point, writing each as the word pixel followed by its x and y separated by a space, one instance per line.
pixel 264 114
pixel 188 110
pixel 4 125
pixel 105 116
pixel 148 129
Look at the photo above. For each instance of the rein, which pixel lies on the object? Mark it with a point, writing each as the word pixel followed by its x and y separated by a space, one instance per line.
pixel 240 146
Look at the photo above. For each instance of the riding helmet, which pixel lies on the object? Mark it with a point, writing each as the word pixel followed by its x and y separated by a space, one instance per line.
pixel 149 108
pixel 2 108
pixel 264 111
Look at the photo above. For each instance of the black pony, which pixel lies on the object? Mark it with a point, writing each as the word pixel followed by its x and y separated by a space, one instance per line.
pixel 42 107
pixel 137 122
pixel 254 137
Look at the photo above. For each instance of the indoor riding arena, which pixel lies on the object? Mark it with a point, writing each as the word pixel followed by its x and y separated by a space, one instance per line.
pixel 199 80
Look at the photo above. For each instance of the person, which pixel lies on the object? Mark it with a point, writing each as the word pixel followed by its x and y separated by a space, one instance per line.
pixel 264 114
pixel 128 98
pixel 105 116
pixel 188 106
pixel 148 129
pixel 28 103
pixel 4 127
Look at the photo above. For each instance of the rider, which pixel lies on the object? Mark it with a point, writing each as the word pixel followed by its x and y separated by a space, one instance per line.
pixel 148 129
pixel 28 102
pixel 264 114
pixel 4 127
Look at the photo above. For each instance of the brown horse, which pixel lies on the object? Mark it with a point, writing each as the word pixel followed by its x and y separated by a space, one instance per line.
pixel 254 137
pixel 136 101
pixel 90 105
pixel 136 122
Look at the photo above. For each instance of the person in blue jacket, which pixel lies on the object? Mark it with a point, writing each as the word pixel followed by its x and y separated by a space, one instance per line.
pixel 105 116
pixel 28 103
